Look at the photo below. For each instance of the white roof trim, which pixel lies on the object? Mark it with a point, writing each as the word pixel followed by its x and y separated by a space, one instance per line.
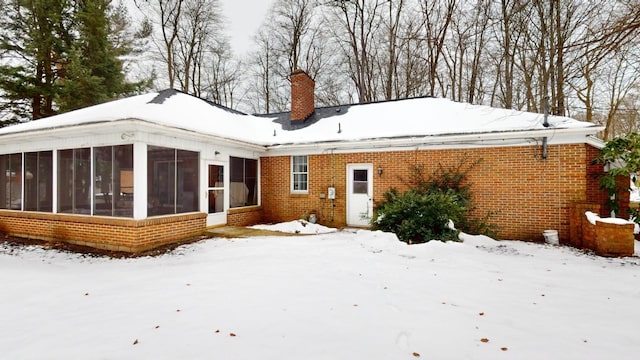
pixel 595 142
pixel 493 139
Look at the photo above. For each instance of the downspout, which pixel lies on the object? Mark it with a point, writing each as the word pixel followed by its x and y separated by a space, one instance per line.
pixel 546 125
pixel 333 185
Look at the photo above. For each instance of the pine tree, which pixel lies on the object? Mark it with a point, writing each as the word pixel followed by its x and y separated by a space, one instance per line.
pixel 93 73
pixel 60 55
pixel 32 40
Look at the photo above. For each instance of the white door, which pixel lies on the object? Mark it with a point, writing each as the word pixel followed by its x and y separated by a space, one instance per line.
pixel 215 195
pixel 359 194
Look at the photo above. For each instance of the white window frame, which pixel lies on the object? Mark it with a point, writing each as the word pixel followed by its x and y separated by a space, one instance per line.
pixel 293 173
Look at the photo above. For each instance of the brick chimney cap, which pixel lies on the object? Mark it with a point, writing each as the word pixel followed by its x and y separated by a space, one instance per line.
pixel 298 71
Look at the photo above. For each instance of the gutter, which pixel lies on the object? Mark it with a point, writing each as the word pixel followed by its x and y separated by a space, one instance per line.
pixel 337 144
pixel 61 132
pixel 595 142
pixel 412 141
pixel 546 125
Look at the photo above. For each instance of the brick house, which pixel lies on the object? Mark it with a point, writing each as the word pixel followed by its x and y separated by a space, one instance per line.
pixel 152 169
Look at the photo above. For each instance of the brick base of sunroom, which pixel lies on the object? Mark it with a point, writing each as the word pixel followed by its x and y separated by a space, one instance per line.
pixel 106 233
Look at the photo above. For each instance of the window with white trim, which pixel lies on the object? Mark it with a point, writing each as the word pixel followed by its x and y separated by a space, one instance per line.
pixel 299 174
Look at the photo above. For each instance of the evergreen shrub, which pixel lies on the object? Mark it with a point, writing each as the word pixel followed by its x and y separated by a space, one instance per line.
pixel 423 213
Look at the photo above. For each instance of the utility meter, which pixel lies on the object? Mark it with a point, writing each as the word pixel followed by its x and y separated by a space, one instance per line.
pixel 331 193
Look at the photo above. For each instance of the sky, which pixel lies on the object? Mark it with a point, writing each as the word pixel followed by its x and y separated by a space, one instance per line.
pixel 245 17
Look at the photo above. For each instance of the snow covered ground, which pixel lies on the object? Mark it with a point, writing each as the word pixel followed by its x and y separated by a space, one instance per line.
pixel 340 295
pixel 296 227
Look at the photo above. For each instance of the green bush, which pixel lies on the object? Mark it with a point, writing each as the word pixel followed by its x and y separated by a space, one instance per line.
pixel 622 156
pixel 423 212
pixel 418 217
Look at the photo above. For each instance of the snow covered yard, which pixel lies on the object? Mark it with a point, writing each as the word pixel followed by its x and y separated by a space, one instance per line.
pixel 341 295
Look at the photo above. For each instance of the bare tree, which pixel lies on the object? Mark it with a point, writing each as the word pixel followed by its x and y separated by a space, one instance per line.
pixel 199 29
pixel 623 28
pixel 413 67
pixel 187 34
pixel 292 37
pixel 559 25
pixel 389 65
pixel 507 53
pixel 464 56
pixel 509 32
pixel 436 19
pixel 167 14
pixel 222 76
pixel 623 78
pixel 628 114
pixel 266 95
pixel 298 38
pixel 292 22
pixel 590 55
pixel 357 23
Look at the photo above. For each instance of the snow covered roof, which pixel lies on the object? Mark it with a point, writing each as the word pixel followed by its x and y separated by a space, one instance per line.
pixel 400 119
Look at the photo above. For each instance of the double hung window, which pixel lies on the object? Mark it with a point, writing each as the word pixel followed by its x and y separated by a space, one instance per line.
pixel 299 174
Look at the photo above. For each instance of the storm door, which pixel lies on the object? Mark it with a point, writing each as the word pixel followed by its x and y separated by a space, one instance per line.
pixel 215 195
pixel 359 194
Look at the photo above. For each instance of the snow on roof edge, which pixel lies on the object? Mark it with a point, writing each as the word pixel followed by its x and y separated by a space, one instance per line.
pixel 419 118
pixel 453 137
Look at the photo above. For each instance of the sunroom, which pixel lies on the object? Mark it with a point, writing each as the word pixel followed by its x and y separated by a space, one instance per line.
pixel 118 179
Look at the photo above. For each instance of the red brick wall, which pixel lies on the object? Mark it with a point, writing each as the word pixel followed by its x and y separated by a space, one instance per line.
pixel 608 239
pixel 588 235
pixel 614 239
pixel 578 223
pixel 245 216
pixel 527 194
pixel 114 234
pixel 624 182
pixel 594 172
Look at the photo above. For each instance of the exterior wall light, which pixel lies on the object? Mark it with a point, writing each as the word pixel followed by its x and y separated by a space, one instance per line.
pixel 380 171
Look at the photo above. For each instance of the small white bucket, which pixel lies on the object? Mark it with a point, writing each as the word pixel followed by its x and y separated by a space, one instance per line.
pixel 551 237
pixel 313 218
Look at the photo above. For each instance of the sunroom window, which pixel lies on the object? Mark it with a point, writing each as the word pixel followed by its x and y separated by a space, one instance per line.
pixel 11 181
pixel 74 181
pixel 243 187
pixel 38 181
pixel 113 181
pixel 172 181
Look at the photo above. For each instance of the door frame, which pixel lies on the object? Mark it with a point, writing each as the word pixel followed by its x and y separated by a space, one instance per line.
pixel 349 188
pixel 219 218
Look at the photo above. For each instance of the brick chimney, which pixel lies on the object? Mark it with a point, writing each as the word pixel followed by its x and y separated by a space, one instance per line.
pixel 302 95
